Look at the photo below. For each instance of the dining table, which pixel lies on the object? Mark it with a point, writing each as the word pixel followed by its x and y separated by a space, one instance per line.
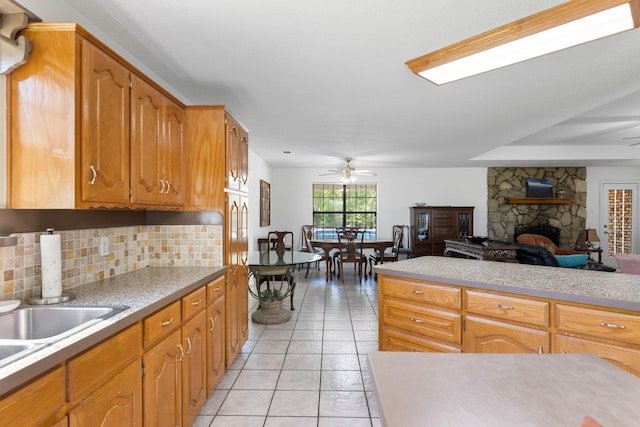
pixel 279 269
pixel 379 245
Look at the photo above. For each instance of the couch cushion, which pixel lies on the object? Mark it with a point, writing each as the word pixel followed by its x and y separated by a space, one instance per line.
pixel 628 263
pixel 572 260
pixel 538 240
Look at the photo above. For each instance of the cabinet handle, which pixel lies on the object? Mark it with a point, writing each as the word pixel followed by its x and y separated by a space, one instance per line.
pixel 540 351
pixel 167 322
pixel 196 302
pixel 181 353
pixel 94 176
pixel 415 319
pixel 217 289
pixel 611 325
pixel 162 188
pixel 213 323
pixel 188 346
pixel 417 292
pixel 505 307
pixel 168 188
pixel 413 350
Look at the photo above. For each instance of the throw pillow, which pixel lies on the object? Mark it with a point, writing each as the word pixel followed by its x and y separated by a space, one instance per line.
pixel 572 260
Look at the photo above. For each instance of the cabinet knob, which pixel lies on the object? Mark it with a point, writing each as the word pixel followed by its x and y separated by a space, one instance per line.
pixel 611 325
pixel 188 346
pixel 417 292
pixel 167 322
pixel 181 352
pixel 505 307
pixel 168 188
pixel 196 302
pixel 415 319
pixel 213 323
pixel 162 188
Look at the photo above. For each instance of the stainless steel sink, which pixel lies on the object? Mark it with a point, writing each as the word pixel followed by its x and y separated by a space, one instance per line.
pixel 50 324
pixel 28 329
pixel 12 352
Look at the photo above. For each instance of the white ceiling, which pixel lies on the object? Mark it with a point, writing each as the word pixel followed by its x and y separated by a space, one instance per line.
pixel 326 79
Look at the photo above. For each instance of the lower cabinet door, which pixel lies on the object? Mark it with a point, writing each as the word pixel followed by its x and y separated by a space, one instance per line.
pixel 194 377
pixel 116 403
pixel 488 336
pixel 623 357
pixel 162 383
pixel 395 340
pixel 215 344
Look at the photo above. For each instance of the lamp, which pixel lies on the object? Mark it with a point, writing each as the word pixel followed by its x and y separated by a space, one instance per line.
pixel 588 236
pixel 348 177
pixel 566 25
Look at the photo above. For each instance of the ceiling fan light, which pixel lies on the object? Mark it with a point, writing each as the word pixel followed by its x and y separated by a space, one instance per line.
pixel 566 25
pixel 348 178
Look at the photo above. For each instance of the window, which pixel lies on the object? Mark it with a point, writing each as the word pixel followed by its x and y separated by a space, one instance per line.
pixel 341 205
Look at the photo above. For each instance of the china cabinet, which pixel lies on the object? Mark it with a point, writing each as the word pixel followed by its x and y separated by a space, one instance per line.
pixel 430 226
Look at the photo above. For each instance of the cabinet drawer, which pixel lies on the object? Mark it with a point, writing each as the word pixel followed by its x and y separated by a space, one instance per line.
pixel 215 290
pixel 421 292
pixel 161 323
pixel 194 302
pixel 598 323
pixel 509 308
pixel 394 340
pixel 625 358
pixel 423 321
pixel 109 357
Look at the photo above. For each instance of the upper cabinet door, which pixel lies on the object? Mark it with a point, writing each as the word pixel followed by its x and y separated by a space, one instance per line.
pixel 244 159
pixel 147 186
pixel 233 153
pixel 173 154
pixel 105 127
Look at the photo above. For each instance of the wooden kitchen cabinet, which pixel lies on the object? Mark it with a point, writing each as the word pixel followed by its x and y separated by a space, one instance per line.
pixel 175 382
pixel 237 154
pixel 430 226
pixel 40 403
pixel 217 157
pixel 116 403
pixel 611 335
pixel 157 139
pixel 194 377
pixel 162 383
pixel 490 336
pixel 73 151
pixel 236 257
pixel 419 316
pixel 215 333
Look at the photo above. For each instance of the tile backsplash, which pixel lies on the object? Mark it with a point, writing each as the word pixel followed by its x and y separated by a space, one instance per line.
pixel 130 248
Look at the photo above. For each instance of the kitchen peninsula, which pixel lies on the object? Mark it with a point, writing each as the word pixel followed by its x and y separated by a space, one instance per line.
pixel 441 304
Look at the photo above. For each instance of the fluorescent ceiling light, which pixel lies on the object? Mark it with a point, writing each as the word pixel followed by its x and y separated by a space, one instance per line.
pixel 563 26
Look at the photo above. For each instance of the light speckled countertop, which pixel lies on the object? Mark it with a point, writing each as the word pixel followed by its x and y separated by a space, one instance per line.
pixel 605 289
pixel 496 390
pixel 144 291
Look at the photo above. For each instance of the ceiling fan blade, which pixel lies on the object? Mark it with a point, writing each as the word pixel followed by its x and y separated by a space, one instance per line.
pixel 364 172
pixel 330 173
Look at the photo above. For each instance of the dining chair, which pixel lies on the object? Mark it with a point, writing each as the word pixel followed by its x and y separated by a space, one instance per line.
pixel 388 256
pixel 404 229
pixel 307 236
pixel 350 252
pixel 279 241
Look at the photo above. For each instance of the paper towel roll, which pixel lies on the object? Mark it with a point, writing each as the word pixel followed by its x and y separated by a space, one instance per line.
pixel 51 258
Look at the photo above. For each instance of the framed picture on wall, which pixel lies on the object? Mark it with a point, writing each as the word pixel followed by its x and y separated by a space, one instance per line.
pixel 539 187
pixel 265 204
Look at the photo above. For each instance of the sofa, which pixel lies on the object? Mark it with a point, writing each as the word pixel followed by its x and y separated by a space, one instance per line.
pixel 540 255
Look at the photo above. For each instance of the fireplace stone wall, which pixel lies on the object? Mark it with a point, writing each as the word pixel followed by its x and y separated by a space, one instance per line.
pixel 503 217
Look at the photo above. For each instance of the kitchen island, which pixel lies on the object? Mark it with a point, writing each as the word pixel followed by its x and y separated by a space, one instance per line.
pixel 442 304
pixel 419 389
pixel 143 291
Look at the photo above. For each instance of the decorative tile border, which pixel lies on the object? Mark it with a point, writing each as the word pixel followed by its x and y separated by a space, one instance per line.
pixel 130 248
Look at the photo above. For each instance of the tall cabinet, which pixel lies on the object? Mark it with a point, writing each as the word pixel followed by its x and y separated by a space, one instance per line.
pixel 432 225
pixel 217 152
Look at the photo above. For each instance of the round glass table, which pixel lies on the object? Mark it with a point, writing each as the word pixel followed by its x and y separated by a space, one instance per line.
pixel 274 280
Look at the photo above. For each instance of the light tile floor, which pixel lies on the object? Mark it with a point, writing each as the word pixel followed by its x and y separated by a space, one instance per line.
pixel 309 371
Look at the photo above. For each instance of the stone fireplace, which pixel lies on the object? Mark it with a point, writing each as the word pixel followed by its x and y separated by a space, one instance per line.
pixel 568 213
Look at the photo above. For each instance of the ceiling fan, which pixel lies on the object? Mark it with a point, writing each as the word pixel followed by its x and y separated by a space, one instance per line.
pixel 349 173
